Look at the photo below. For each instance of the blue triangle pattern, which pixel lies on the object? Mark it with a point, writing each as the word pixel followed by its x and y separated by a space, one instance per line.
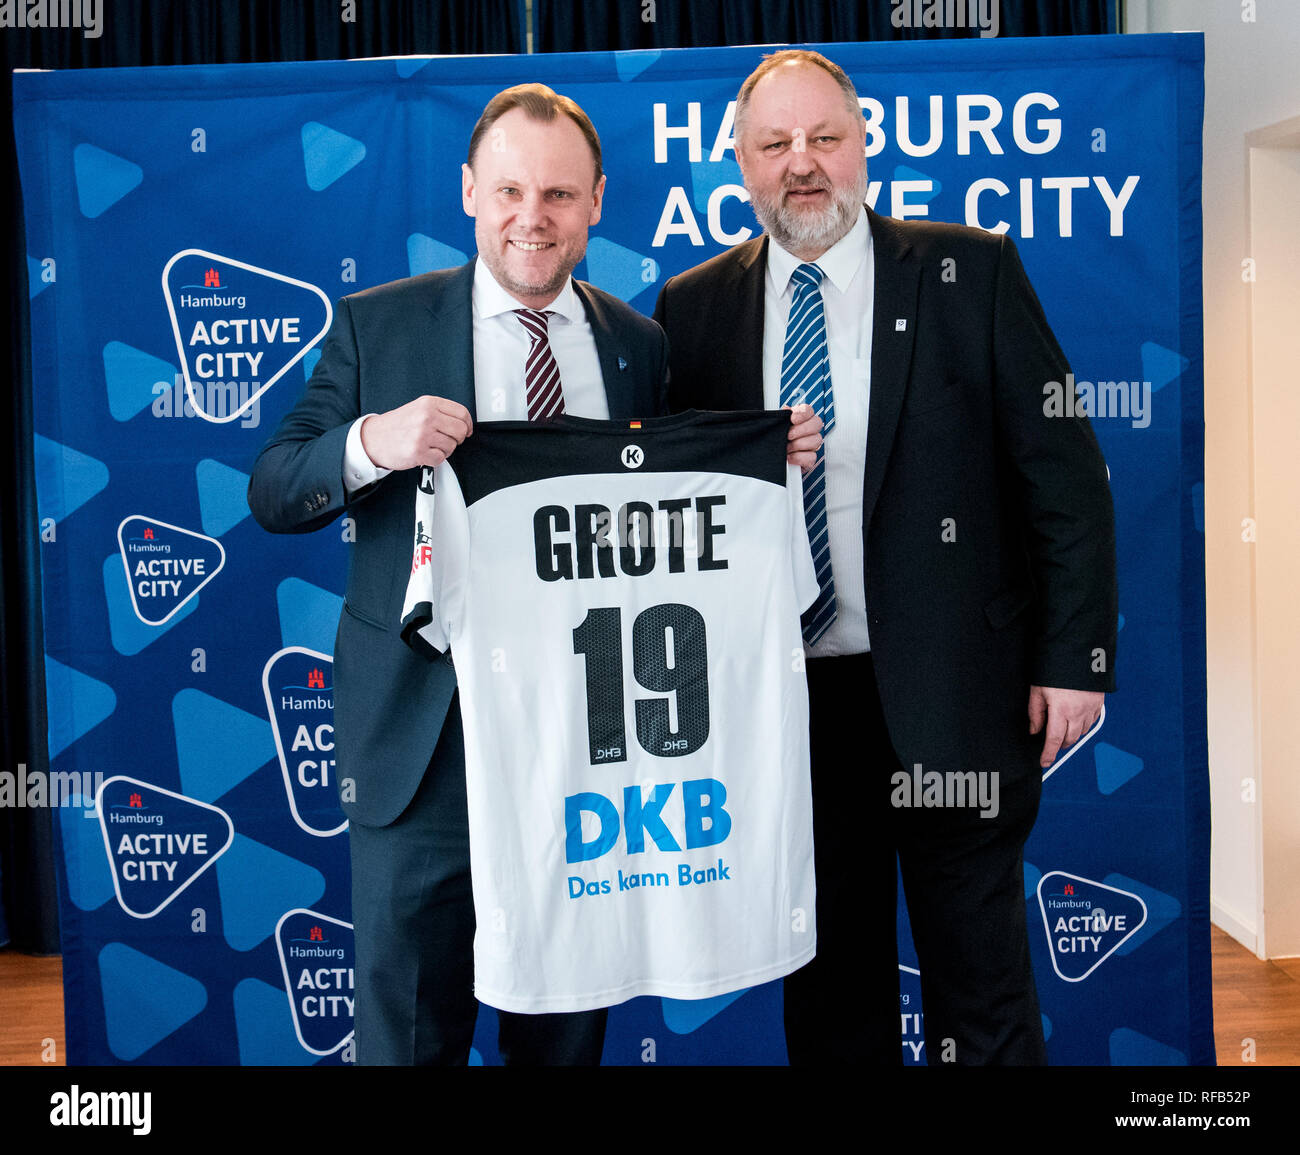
pixel 309 615
pixel 223 496
pixel 425 255
pixel 1032 875
pixel 102 178
pixel 619 270
pixel 78 703
pixel 130 375
pixel 1161 365
pixel 707 176
pixel 902 172
pixel 1115 767
pixel 217 745
pixel 1162 909
pixel 35 282
pixel 409 67
pixel 328 154
pixel 65 478
pixel 309 360
pixel 630 64
pixel 128 633
pixel 264 1027
pixel 682 1016
pixel 257 885
pixel 144 1000
pixel 90 882
pixel 1130 1048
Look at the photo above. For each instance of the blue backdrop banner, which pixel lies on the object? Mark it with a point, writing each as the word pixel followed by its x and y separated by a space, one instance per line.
pixel 188 232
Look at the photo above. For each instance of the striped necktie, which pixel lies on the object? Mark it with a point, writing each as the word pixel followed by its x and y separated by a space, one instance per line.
pixel 541 373
pixel 806 377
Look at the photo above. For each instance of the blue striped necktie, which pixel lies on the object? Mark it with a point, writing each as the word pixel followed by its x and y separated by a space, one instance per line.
pixel 806 378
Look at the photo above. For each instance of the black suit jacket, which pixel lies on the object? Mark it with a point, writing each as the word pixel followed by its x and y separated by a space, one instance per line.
pixel 387 346
pixel 960 353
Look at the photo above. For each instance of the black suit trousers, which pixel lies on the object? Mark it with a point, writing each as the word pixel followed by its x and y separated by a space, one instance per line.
pixel 963 877
pixel 413 913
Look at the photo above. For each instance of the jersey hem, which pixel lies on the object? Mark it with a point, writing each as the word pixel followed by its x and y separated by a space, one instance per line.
pixel 564 1004
pixel 420 616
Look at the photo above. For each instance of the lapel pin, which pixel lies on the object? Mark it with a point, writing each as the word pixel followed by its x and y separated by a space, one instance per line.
pixel 621 364
pixel 900 326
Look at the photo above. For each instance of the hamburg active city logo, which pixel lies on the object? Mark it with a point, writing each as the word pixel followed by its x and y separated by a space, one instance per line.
pixel 238 328
pixel 317 959
pixel 166 565
pixel 1086 921
pixel 299 687
pixel 158 842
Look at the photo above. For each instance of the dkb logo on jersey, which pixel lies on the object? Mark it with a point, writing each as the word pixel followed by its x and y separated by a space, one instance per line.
pixel 316 958
pixel 238 328
pixel 165 565
pixel 299 688
pixel 1086 922
pixel 158 841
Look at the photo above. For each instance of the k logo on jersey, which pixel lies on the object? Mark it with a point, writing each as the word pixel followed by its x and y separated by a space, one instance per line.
pixel 158 841
pixel 316 958
pixel 165 565
pixel 299 688
pixel 1086 922
pixel 238 328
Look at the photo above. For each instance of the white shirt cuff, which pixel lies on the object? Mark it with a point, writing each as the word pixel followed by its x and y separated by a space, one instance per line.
pixel 358 470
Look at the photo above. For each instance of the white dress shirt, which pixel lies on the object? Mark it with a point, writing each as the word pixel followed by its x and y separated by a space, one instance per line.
pixel 501 346
pixel 848 293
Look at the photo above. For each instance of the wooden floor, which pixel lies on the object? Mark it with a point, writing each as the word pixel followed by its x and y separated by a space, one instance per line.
pixel 1256 1008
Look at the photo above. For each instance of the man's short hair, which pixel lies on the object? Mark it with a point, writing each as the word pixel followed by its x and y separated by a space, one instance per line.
pixel 540 103
pixel 774 60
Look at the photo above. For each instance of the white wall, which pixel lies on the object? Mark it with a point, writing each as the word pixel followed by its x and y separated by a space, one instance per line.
pixel 1252 82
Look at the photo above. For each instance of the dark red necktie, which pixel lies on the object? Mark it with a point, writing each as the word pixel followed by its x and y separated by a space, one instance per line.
pixel 541 373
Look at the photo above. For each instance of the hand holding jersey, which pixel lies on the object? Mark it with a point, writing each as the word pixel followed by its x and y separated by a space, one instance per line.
pixel 426 431
pixel 421 432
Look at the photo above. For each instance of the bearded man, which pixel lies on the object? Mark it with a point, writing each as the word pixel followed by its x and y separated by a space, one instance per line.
pixel 964 544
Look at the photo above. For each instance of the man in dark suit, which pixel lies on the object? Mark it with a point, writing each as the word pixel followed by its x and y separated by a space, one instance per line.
pixel 965 546
pixel 405 370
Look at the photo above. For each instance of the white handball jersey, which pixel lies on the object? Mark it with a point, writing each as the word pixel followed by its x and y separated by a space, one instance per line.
pixel 622 603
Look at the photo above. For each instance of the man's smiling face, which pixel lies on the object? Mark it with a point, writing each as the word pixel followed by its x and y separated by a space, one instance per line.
pixel 533 194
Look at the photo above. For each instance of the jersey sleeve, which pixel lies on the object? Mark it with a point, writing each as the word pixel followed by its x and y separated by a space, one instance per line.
pixel 806 588
pixel 439 565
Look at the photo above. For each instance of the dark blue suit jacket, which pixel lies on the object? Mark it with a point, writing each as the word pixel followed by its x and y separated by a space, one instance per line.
pixel 1022 591
pixel 387 346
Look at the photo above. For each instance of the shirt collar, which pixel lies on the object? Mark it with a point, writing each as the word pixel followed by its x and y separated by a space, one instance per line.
pixel 491 300
pixel 840 262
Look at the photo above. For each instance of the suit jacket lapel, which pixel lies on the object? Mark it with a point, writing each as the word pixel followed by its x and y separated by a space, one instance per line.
pixel 449 342
pixel 897 283
pixel 616 369
pixel 740 372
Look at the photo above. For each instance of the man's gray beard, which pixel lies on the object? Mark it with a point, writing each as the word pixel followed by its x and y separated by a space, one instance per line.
pixel 804 231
